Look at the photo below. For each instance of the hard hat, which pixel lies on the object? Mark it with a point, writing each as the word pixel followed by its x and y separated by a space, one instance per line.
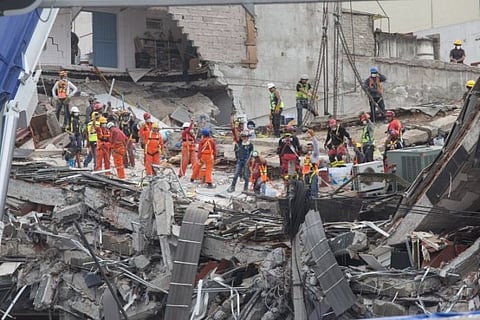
pixel 186 125
pixel 250 124
pixel 63 73
pixel 97 106
pixel 102 120
pixel 205 132
pixel 110 125
pixel 255 153
pixel 458 42
pixel 364 117
pixel 390 113
pixel 146 116
pixel 155 125
pixel 289 129
pixel 373 70
pixel 75 110
pixel 332 122
pixel 245 133
pixel 115 110
pixel 470 83
pixel 94 115
pixel 271 85
pixel 304 77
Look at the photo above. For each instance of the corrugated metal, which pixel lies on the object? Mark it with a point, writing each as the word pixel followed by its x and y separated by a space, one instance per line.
pixel 185 264
pixel 105 39
pixel 15 35
pixel 334 285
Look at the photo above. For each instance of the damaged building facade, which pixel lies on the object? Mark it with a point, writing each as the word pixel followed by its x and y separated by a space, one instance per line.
pixel 244 50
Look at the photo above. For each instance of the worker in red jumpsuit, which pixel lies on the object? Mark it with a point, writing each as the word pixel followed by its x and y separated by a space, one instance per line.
pixel 335 143
pixel 188 148
pixel 394 132
pixel 289 150
pixel 118 142
pixel 145 128
pixel 206 154
pixel 103 145
pixel 154 147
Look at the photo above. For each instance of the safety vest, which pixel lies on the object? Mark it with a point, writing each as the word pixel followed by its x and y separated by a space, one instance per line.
pixel 274 101
pixel 308 166
pixel 62 89
pixel 301 95
pixel 92 133
pixel 207 146
pixel 74 127
pixel 154 143
pixel 263 172
pixel 365 138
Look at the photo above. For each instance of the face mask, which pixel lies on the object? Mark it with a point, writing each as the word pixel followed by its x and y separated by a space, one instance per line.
pixel 457 47
pixel 374 75
pixel 364 122
pixel 104 125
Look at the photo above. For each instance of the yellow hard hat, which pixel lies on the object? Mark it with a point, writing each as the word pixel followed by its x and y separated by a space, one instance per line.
pixel 458 42
pixel 155 125
pixel 102 120
pixel 470 83
pixel 94 115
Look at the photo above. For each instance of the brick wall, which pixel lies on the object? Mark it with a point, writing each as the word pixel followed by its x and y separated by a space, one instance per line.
pixel 219 32
pixel 362 41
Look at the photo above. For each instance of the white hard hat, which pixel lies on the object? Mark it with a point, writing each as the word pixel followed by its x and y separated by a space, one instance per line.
pixel 115 110
pixel 110 124
pixel 186 125
pixel 75 110
pixel 304 77
pixel 271 85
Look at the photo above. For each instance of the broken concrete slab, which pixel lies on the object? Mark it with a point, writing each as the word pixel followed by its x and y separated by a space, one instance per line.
pixel 76 258
pixel 349 243
pixel 119 243
pixel 388 309
pixel 69 212
pixel 466 262
pixel 141 262
pixel 39 193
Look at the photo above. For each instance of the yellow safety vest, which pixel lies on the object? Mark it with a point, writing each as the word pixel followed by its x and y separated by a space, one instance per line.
pixel 273 101
pixel 300 95
pixel 366 137
pixel 92 133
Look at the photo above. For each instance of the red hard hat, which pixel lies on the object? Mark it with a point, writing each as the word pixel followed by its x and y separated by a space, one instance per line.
pixel 332 122
pixel 390 114
pixel 364 117
pixel 146 116
pixel 97 106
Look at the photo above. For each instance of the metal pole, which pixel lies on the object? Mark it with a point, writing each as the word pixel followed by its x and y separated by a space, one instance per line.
pixel 111 89
pixel 100 267
pixel 10 307
pixel 10 121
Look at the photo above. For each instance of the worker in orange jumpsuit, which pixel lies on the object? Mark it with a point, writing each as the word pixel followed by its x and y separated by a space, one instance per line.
pixel 153 148
pixel 188 148
pixel 145 128
pixel 206 154
pixel 103 145
pixel 118 142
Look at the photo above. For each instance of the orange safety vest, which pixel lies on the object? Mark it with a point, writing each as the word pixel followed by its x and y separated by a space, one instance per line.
pixel 263 173
pixel 376 82
pixel 62 89
pixel 308 166
pixel 154 143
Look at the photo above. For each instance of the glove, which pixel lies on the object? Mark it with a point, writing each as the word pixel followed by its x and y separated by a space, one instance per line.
pixel 277 109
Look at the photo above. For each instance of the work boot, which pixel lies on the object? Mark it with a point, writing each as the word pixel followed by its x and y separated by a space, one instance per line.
pixel 231 189
pixel 191 180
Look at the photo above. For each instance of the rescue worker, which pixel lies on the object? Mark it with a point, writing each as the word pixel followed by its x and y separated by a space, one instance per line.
pixel 258 172
pixel 368 137
pixel 374 86
pixel 103 145
pixel 237 127
pixel 188 147
pixel 118 143
pixel 394 132
pixel 335 143
pixel 89 109
pixel 303 94
pixel 62 91
pixel 242 154
pixel 310 165
pixel 92 140
pixel 289 150
pixel 206 154
pixel 75 130
pixel 145 128
pixel 154 148
pixel 129 127
pixel 457 54
pixel 276 108
pixel 469 85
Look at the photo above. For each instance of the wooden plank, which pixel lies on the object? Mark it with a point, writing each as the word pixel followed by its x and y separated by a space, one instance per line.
pixel 186 262
pixel 331 278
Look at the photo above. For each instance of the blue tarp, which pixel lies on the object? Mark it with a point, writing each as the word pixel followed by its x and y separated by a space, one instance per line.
pixel 15 35
pixel 473 314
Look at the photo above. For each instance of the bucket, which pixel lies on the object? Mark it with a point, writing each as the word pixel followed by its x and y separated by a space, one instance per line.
pixel 324 177
pixel 71 163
